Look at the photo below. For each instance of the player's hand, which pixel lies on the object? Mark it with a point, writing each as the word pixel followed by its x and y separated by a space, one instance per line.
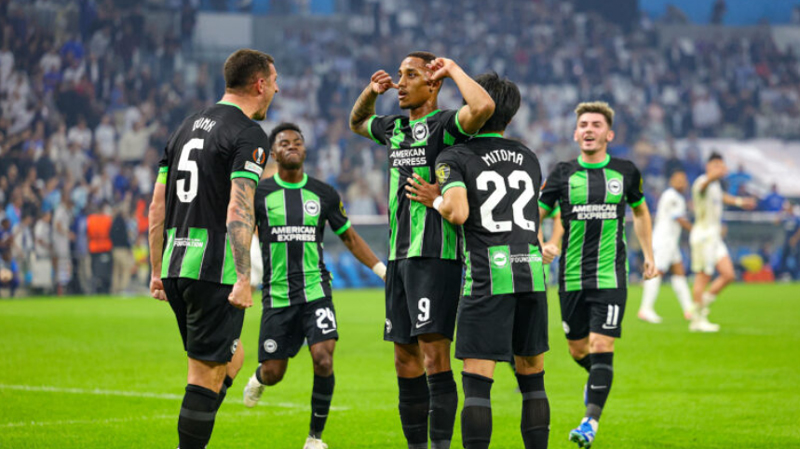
pixel 157 289
pixel 649 269
pixel 241 297
pixel 381 82
pixel 421 191
pixel 549 252
pixel 748 203
pixel 441 68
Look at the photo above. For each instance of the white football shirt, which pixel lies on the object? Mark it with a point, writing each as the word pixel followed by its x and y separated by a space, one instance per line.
pixel 671 206
pixel 707 207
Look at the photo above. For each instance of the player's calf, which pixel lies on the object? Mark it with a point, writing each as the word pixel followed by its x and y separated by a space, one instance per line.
pixel 196 420
pixel 476 416
pixel 535 424
pixel 414 405
pixel 444 403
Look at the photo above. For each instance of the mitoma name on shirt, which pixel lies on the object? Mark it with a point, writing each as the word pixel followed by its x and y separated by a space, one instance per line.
pixel 294 233
pixel 496 156
pixel 408 157
pixel 595 211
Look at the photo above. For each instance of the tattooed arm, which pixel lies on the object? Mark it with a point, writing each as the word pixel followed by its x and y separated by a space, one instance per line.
pixel 365 105
pixel 241 221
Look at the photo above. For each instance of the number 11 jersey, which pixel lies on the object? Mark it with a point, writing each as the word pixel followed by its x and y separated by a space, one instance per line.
pixel 501 244
pixel 208 151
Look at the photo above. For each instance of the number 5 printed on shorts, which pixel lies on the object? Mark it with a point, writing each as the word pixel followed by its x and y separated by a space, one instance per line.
pixel 612 319
pixel 424 316
pixel 326 314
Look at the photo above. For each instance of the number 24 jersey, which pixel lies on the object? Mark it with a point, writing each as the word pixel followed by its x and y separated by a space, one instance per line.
pixel 501 245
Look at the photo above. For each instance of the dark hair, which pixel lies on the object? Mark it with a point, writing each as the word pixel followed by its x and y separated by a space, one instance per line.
pixel 675 170
pixel 506 98
pixel 285 126
pixel 714 156
pixel 243 66
pixel 426 56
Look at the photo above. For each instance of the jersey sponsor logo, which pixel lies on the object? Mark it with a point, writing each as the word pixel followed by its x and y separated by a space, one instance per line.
pixel 294 234
pixel 420 131
pixel 311 207
pixel 408 157
pixel 255 168
pixel 187 242
pixel 614 186
pixel 234 346
pixel 260 156
pixel 341 209
pixel 442 173
pixel 525 258
pixel 595 211
pixel 270 346
pixel 500 260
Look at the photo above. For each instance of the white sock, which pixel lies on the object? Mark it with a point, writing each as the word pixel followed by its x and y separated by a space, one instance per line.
pixel 650 294
pixel 681 288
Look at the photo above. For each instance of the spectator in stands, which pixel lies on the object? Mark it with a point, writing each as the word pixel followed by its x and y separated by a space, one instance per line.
pixel 81 134
pixel 774 201
pixel 9 274
pixel 105 138
pixel 738 180
pixel 62 240
pixel 42 267
pixel 98 230
pixel 789 262
pixel 121 252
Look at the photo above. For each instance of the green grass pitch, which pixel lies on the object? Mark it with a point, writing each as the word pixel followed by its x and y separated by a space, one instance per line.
pixel 110 373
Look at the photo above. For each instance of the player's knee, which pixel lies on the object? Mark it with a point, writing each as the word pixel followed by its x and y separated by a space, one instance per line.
pixel 271 375
pixel 323 365
pixel 601 345
pixel 578 352
pixel 727 276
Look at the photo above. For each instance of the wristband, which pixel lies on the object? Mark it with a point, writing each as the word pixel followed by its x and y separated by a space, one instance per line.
pixel 379 269
pixel 437 203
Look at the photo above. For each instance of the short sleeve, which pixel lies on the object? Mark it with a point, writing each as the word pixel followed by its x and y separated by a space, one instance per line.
pixel 380 126
pixel 337 215
pixel 250 154
pixel 551 190
pixel 634 192
pixel 163 168
pixel 454 133
pixel 449 172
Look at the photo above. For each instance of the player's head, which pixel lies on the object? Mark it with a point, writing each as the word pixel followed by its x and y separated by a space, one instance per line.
pixel 593 126
pixel 288 146
pixel 716 163
pixel 506 99
pixel 252 73
pixel 678 180
pixel 415 88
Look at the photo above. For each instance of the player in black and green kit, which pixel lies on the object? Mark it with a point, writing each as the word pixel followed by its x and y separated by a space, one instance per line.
pixel 201 225
pixel 291 211
pixel 423 274
pixel 489 185
pixel 592 192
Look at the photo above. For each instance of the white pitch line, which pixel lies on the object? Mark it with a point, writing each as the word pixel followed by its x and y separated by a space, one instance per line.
pixel 68 422
pixel 139 394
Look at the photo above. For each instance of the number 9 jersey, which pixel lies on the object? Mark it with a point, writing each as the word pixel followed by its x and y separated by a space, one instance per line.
pixel 211 148
pixel 501 244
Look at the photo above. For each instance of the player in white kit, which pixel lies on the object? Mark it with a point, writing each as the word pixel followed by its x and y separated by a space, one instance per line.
pixel 670 219
pixel 708 250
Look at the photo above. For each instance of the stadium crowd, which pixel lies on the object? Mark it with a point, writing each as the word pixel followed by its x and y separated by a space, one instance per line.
pixel 87 107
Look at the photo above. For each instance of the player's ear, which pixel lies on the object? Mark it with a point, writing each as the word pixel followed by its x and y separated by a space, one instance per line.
pixel 575 135
pixel 610 136
pixel 434 85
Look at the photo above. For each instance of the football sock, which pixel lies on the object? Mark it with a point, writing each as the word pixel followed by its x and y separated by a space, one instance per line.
pixel 650 294
pixel 414 404
pixel 476 415
pixel 444 403
pixel 321 397
pixel 224 390
pixel 258 375
pixel 196 421
pixel 681 288
pixel 600 377
pixel 585 363
pixel 535 423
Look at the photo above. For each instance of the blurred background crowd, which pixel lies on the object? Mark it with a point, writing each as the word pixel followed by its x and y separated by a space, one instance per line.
pixel 91 89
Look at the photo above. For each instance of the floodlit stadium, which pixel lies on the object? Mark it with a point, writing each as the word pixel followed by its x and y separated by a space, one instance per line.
pixel 666 136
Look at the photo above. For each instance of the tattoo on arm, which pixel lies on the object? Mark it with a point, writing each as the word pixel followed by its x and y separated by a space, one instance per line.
pixel 363 110
pixel 241 221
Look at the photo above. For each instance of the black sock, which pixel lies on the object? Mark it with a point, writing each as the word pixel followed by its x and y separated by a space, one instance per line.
pixel 258 375
pixel 476 415
pixel 444 403
pixel 535 424
pixel 321 397
pixel 224 390
pixel 600 377
pixel 414 404
pixel 585 363
pixel 196 421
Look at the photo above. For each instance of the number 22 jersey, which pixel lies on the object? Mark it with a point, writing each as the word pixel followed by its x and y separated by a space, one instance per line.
pixel 501 244
pixel 211 148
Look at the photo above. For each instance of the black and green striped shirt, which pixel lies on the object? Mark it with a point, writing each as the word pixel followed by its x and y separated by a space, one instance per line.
pixel 291 225
pixel 592 198
pixel 210 148
pixel 415 230
pixel 501 244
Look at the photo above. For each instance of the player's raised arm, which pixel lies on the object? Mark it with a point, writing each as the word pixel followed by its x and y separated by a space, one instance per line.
pixel 364 108
pixel 240 223
pixel 363 252
pixel 156 217
pixel 643 226
pixel 479 107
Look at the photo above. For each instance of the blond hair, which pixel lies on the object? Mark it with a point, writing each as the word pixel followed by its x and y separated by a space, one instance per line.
pixel 599 107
